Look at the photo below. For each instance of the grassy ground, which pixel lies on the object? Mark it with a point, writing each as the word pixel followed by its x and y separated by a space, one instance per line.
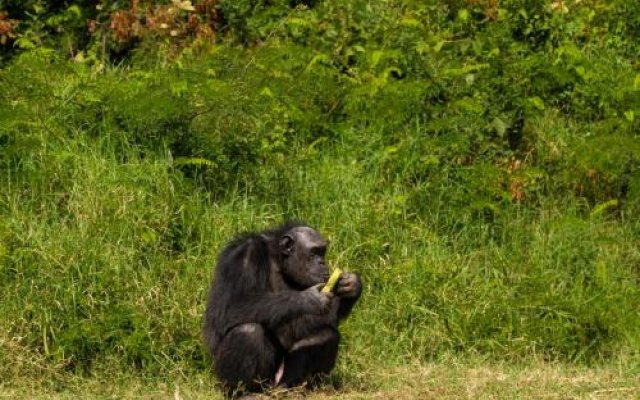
pixel 452 380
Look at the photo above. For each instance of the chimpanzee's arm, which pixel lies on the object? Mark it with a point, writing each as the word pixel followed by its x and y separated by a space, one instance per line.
pixel 272 309
pixel 305 325
pixel 347 294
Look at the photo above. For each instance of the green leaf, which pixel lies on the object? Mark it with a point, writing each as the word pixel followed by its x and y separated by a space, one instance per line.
pixel 316 59
pixel 194 161
pixel 75 10
pixel 24 43
pixel 422 47
pixel 602 207
pixel 390 149
pixel 537 102
pixel 410 22
pixel 499 126
pixel 470 78
pixel 430 160
pixel 179 88
pixel 630 115
pixel 465 70
pixel 301 22
pixel 376 56
pixel 494 52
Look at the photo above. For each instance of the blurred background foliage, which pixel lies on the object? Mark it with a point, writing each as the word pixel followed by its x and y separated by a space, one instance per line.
pixel 478 161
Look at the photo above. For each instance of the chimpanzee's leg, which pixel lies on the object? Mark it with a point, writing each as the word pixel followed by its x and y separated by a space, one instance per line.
pixel 247 357
pixel 312 355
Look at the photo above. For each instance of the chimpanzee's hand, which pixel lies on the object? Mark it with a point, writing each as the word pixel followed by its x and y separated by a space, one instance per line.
pixel 318 302
pixel 349 285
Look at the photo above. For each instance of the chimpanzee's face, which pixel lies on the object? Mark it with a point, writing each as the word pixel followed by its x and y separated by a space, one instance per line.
pixel 303 251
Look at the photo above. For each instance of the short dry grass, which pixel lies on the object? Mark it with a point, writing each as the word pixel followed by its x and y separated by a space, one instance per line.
pixel 428 381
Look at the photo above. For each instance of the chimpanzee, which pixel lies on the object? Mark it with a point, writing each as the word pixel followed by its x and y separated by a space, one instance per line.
pixel 267 323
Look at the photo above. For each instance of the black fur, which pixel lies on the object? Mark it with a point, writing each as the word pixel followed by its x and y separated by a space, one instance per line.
pixel 265 308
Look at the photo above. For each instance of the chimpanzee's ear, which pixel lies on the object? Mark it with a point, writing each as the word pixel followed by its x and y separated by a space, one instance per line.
pixel 286 245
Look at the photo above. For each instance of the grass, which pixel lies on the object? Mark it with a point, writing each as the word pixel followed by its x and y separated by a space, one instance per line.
pixel 454 379
pixel 487 197
pixel 124 262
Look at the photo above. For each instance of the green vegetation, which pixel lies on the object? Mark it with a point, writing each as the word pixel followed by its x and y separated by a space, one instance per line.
pixel 477 162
